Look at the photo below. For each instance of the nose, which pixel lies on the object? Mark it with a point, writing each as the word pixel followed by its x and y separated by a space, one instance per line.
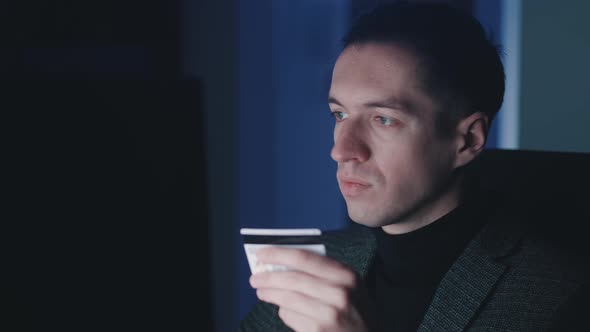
pixel 349 144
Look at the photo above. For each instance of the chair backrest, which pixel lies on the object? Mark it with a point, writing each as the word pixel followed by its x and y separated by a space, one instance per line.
pixel 552 187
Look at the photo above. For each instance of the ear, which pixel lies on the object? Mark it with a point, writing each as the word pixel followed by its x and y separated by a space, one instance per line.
pixel 471 137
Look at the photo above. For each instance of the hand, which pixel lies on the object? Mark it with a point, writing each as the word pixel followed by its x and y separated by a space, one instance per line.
pixel 316 294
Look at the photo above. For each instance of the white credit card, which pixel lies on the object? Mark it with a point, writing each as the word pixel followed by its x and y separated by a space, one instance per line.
pixel 300 238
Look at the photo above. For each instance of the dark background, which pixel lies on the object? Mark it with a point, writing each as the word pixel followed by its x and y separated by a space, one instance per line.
pixel 105 216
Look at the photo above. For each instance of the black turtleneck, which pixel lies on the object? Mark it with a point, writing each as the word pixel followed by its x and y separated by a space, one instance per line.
pixel 408 267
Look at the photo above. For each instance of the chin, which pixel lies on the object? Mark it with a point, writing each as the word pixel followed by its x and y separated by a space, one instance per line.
pixel 366 217
pixel 372 216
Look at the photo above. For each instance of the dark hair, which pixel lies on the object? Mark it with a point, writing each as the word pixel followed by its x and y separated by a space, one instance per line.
pixel 458 65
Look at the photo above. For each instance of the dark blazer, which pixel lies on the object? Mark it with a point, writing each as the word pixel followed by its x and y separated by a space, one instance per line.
pixel 506 279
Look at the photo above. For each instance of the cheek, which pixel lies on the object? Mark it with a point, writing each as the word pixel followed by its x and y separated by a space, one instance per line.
pixel 401 169
pixel 412 166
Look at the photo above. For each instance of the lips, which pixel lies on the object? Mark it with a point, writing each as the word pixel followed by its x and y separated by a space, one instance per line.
pixel 352 186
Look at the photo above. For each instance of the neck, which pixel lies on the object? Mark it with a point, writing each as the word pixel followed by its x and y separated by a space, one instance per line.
pixel 433 209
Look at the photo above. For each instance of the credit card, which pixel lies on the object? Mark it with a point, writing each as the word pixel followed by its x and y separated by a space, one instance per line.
pixel 300 238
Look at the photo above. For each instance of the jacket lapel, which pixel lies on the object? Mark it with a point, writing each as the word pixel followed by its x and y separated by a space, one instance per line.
pixel 462 291
pixel 472 277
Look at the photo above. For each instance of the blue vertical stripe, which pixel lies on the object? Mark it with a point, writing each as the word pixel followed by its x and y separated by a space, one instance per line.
pixel 287 179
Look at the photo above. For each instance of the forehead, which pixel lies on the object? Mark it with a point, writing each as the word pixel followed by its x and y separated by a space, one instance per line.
pixel 374 72
pixel 375 58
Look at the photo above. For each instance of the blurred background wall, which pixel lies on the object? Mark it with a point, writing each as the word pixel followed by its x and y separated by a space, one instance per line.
pixel 555 76
pixel 210 116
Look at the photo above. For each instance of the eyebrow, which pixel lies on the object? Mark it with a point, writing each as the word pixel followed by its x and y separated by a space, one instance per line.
pixel 390 103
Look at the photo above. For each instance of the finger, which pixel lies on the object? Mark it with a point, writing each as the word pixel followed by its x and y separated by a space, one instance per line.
pixel 309 262
pixel 304 283
pixel 296 321
pixel 299 303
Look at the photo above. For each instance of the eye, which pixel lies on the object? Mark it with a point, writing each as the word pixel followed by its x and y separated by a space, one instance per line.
pixel 385 121
pixel 339 116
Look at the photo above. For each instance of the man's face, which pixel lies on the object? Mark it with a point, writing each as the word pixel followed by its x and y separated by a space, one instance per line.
pixel 393 165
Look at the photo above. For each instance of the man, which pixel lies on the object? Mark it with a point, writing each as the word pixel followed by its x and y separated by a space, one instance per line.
pixel 413 94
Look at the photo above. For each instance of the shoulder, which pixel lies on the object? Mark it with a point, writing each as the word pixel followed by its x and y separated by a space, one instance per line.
pixel 571 314
pixel 535 235
pixel 552 256
pixel 546 277
pixel 533 253
pixel 354 247
pixel 542 251
pixel 543 274
pixel 534 242
pixel 545 270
